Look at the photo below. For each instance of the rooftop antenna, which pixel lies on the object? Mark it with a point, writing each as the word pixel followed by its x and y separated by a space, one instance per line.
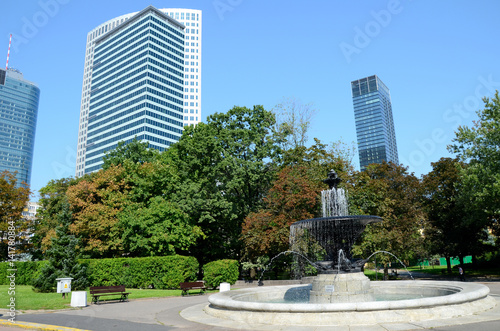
pixel 8 53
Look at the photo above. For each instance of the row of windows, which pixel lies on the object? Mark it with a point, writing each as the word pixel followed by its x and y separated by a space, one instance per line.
pixel 169 28
pixel 141 137
pixel 110 75
pixel 140 122
pixel 133 73
pixel 123 136
pixel 95 111
pixel 95 118
pixel 143 81
pixel 109 92
pixel 141 57
pixel 122 34
pixel 126 120
pixel 161 51
pixel 161 58
pixel 182 16
pixel 117 37
pixel 8 115
pixel 19 99
pixel 160 36
pixel 96 86
pixel 160 117
pixel 120 56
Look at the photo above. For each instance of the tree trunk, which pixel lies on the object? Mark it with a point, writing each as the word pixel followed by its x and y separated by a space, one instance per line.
pixel 448 264
pixel 386 271
pixel 474 261
pixel 461 258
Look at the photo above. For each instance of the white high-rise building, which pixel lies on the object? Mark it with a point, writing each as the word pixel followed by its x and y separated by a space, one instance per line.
pixel 191 107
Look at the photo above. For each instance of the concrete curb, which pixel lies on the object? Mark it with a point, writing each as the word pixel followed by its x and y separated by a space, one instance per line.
pixel 38 326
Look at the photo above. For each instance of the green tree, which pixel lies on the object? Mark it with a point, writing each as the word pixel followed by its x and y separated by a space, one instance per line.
pixel 157 229
pixel 225 167
pixel 13 227
pixel 389 191
pixel 479 147
pixel 447 232
pixel 52 199
pixel 63 258
pixel 136 152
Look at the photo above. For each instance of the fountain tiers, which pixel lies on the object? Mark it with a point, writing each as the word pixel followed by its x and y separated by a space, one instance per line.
pixel 337 281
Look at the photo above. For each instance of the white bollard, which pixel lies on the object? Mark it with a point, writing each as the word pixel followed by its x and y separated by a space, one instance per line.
pixel 223 287
pixel 79 299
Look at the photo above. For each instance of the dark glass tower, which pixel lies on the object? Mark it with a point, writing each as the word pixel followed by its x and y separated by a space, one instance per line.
pixel 18 114
pixel 374 122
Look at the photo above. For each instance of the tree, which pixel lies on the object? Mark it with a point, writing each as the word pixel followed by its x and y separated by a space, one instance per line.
pixel 389 191
pixel 293 120
pixel 95 203
pixel 224 168
pixel 447 232
pixel 156 229
pixel 13 227
pixel 479 146
pixel 294 196
pixel 63 258
pixel 136 152
pixel 52 199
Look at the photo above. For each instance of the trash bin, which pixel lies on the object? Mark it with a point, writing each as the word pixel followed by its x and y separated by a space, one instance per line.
pixel 64 285
pixel 223 287
pixel 79 299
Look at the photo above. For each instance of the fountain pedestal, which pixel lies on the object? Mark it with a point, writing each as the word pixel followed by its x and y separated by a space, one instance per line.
pixel 336 288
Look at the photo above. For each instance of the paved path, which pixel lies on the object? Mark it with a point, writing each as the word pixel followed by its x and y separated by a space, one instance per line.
pixel 164 314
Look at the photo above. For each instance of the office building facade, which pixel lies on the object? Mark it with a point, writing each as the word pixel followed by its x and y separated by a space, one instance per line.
pixel 374 122
pixel 172 76
pixel 18 115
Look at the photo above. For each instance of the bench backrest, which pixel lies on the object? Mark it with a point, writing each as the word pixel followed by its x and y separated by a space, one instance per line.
pixel 192 284
pixel 107 289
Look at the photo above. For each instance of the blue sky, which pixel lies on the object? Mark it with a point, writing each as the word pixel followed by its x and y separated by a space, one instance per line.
pixel 438 58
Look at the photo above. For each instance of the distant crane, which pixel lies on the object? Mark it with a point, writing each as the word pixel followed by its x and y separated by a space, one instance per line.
pixel 8 53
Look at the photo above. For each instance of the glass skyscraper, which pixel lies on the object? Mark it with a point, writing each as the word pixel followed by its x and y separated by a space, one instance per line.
pixel 18 114
pixel 374 122
pixel 145 62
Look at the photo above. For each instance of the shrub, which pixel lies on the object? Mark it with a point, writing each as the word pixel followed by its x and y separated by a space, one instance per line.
pixel 25 271
pixel 221 271
pixel 162 272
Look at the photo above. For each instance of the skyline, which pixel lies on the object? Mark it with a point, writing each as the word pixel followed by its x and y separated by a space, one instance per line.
pixel 438 59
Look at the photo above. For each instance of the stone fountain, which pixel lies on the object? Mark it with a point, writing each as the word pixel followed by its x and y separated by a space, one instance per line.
pixel 340 278
pixel 341 294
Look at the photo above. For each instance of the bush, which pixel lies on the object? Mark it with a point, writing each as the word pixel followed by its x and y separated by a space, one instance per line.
pixel 221 271
pixel 25 271
pixel 161 272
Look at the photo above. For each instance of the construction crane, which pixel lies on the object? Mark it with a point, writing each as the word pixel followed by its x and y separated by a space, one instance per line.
pixel 8 53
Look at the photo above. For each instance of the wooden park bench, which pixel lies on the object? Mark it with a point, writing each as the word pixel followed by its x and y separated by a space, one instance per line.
pixel 98 291
pixel 185 287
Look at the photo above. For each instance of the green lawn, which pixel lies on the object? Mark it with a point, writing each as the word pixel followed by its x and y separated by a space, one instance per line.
pixel 27 299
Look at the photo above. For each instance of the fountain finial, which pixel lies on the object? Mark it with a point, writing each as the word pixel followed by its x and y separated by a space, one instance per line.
pixel 332 179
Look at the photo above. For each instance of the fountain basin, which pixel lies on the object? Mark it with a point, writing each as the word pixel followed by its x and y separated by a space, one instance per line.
pixel 441 300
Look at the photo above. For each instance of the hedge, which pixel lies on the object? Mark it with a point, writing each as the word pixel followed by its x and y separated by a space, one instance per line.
pixel 25 271
pixel 221 271
pixel 162 272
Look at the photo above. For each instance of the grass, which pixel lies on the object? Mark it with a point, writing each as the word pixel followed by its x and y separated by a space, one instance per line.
pixel 441 271
pixel 27 299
